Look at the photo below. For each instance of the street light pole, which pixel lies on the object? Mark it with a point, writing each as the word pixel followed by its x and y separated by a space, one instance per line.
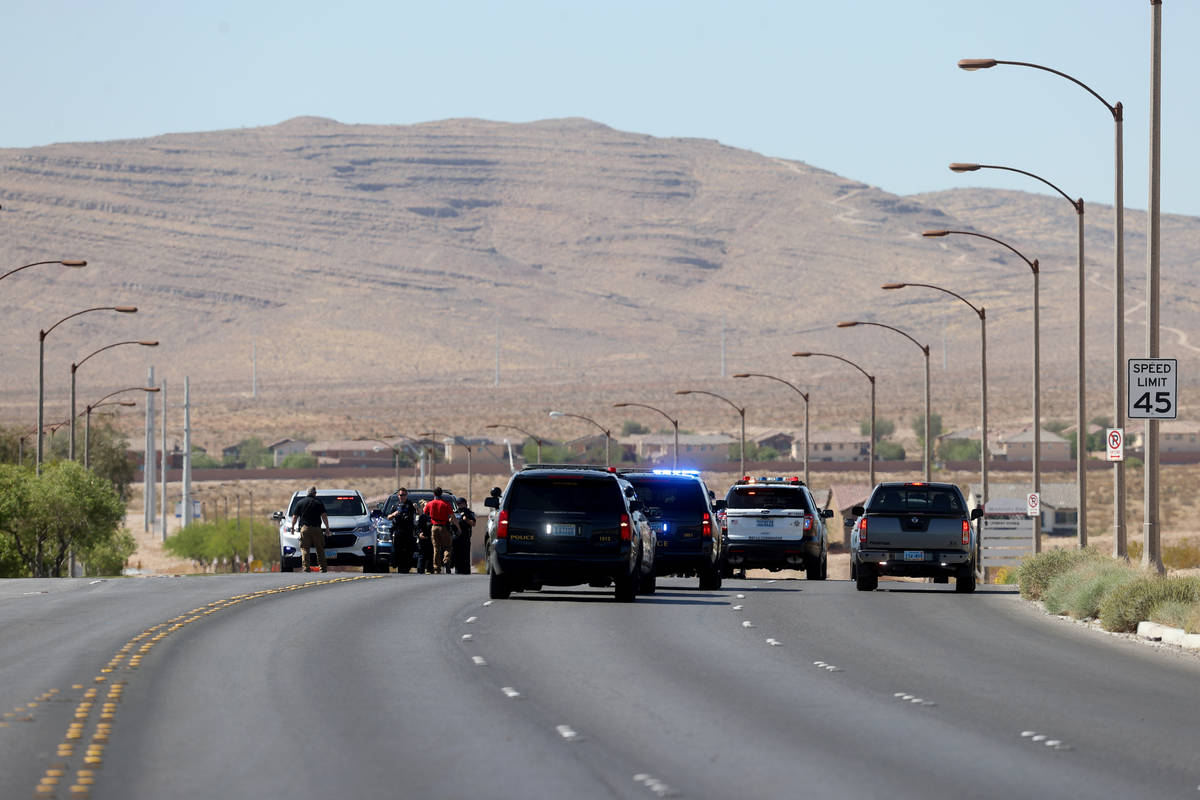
pixel 924 348
pixel 67 262
pixel 1151 533
pixel 674 424
pixel 741 413
pixel 1120 536
pixel 75 366
pixel 1037 371
pixel 1081 401
pixel 463 442
pixel 42 367
pixel 871 379
pixel 606 431
pixel 795 389
pixel 537 439
pixel 87 435
pixel 983 418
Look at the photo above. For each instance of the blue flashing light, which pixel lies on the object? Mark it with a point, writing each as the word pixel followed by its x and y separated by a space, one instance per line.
pixel 675 471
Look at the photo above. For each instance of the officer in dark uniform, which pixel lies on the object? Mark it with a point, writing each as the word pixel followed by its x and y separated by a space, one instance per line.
pixel 424 530
pixel 403 518
pixel 310 515
pixel 460 550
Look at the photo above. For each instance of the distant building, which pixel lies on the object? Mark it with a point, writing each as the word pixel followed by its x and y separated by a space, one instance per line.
pixel 283 448
pixel 695 449
pixel 1019 447
pixel 1059 503
pixel 838 446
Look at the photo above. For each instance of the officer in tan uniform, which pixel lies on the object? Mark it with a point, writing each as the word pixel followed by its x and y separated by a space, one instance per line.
pixel 310 513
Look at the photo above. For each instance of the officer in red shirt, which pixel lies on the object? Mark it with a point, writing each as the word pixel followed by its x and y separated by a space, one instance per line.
pixel 440 512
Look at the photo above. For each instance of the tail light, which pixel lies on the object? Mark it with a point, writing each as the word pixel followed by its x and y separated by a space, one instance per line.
pixel 808 523
pixel 502 525
pixel 706 526
pixel 862 530
pixel 966 532
pixel 626 531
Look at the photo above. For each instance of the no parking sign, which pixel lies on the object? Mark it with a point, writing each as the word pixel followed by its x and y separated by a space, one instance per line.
pixel 1033 505
pixel 1115 439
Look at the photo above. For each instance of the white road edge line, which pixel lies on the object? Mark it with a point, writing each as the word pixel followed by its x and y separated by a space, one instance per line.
pixel 510 692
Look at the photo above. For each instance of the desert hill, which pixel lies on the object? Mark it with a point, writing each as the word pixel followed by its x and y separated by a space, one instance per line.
pixel 380 272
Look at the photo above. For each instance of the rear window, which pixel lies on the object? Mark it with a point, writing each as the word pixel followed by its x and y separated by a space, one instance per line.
pixel 566 493
pixel 346 505
pixel 669 495
pixel 768 497
pixel 916 500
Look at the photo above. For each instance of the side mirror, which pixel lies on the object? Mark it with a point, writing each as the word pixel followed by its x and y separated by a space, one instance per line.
pixel 629 491
pixel 635 505
pixel 496 491
pixel 976 513
pixel 492 502
pixel 720 505
pixel 827 513
pixel 277 516
pixel 376 513
pixel 858 511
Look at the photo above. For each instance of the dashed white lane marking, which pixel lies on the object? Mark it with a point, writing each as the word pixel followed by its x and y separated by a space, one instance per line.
pixel 910 698
pixel 480 661
pixel 469 620
pixel 772 580
pixel 510 692
pixel 655 785
pixel 93 583
pixel 747 624
pixel 1043 739
pixel 740 596
pixel 774 642
pixel 487 603
pixel 826 667
pixel 566 732
pixel 466 637
pixel 737 608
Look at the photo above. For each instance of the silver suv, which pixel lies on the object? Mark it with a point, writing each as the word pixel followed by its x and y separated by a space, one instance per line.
pixel 352 537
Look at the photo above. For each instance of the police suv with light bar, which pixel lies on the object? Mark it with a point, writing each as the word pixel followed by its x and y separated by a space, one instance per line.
pixel 774 523
pixel 679 506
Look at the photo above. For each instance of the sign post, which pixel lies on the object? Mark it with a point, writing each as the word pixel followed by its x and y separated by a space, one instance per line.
pixel 1115 439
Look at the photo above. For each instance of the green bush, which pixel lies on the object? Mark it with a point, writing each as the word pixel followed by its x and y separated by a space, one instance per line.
pixel 299 461
pixel 1036 572
pixel 1079 591
pixel 1127 605
pixel 207 543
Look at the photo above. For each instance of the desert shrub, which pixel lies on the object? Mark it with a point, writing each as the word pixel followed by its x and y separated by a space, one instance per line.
pixel 1177 614
pixel 1127 605
pixel 1184 554
pixel 1005 575
pixel 1079 591
pixel 1036 572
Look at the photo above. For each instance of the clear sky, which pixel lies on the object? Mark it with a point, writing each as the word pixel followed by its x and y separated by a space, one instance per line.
pixel 865 88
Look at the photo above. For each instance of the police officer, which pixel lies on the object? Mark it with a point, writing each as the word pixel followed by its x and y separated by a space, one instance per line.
pixel 310 513
pixel 460 552
pixel 404 519
pixel 424 540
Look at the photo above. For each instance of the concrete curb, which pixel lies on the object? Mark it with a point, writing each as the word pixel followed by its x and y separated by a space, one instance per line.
pixel 1162 633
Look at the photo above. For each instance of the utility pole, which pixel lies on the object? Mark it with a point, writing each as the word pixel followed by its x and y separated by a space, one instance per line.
pixel 254 368
pixel 165 510
pixel 186 517
pixel 148 481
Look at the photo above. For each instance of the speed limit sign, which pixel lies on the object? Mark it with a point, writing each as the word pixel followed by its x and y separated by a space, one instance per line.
pixel 1033 504
pixel 1115 438
pixel 1152 384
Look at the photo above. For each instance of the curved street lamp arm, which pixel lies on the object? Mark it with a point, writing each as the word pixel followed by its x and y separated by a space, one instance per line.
pixel 66 262
pixel 924 347
pixel 1077 204
pixel 740 410
pixel 1116 110
pixel 603 429
pixel 652 408
pixel 1033 265
pixel 126 403
pixel 79 363
pixel 982 314
pixel 537 439
pixel 147 389
pixel 122 309
pixel 789 384
pixel 869 376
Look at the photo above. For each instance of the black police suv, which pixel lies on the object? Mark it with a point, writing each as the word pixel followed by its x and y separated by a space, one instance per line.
pixel 679 507
pixel 568 525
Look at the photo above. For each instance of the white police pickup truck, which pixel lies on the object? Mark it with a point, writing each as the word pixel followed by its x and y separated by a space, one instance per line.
pixel 774 523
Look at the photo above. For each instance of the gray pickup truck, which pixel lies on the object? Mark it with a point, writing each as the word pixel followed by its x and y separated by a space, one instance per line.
pixel 920 530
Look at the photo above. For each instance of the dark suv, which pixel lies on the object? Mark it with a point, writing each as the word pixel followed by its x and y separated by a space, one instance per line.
pixel 567 525
pixel 679 507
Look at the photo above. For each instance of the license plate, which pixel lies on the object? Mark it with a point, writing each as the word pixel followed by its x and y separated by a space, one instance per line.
pixel 914 555
pixel 560 529
pixel 764 523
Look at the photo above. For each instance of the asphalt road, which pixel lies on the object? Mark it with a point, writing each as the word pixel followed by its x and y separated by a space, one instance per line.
pixel 345 685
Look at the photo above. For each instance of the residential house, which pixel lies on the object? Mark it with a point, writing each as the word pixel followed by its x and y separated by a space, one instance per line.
pixel 780 441
pixel 1059 503
pixel 1019 447
pixel 283 448
pixel 838 446
pixel 696 450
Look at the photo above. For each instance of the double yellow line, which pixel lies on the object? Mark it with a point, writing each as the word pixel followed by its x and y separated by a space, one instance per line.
pixel 78 776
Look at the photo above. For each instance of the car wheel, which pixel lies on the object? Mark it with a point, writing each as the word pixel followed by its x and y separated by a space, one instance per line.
pixel 853 571
pixel 941 579
pixel 965 580
pixel 710 578
pixel 626 589
pixel 825 566
pixel 866 580
pixel 648 584
pixel 498 587
pixel 285 565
